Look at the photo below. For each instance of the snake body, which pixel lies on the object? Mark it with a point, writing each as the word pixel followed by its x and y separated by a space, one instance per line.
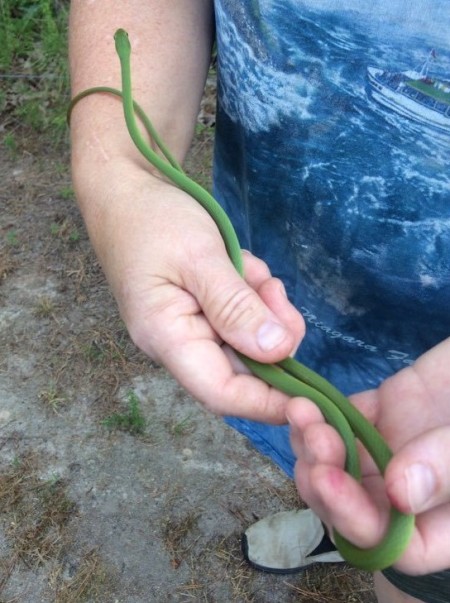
pixel 289 375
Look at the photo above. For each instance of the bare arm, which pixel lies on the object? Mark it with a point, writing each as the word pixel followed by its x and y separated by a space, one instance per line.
pixel 171 52
pixel 171 43
pixel 176 288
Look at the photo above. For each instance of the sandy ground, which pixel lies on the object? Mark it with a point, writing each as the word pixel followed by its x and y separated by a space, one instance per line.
pixel 93 505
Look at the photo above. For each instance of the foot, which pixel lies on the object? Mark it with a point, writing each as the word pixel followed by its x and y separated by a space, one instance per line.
pixel 287 542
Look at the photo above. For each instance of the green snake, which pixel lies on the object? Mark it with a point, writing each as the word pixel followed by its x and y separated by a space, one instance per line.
pixel 289 376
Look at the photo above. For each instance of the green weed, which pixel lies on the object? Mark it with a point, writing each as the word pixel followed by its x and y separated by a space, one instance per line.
pixel 182 427
pixel 45 307
pixel 65 230
pixel 33 61
pixel 10 142
pixel 67 192
pixel 55 229
pixel 11 238
pixel 93 352
pixel 74 236
pixel 132 420
pixel 52 398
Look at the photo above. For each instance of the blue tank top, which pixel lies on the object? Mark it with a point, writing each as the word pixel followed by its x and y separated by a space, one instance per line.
pixel 332 160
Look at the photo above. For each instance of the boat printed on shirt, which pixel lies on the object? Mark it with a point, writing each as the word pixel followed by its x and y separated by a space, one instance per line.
pixel 413 94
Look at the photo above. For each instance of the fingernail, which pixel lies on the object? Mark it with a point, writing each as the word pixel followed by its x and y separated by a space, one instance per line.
pixel 290 420
pixel 420 484
pixel 283 289
pixel 270 335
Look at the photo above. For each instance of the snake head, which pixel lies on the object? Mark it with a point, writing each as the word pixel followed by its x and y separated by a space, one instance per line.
pixel 123 46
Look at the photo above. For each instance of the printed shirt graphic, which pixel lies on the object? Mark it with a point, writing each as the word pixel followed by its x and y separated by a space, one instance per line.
pixel 332 160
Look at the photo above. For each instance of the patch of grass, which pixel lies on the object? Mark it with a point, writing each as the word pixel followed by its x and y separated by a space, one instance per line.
pixel 67 192
pixel 221 561
pixel 182 427
pixel 101 351
pixel 94 352
pixel 33 57
pixel 65 231
pixel 52 398
pixel 55 229
pixel 10 142
pixel 74 236
pixel 176 536
pixel 239 574
pixel 12 238
pixel 88 583
pixel 34 513
pixel 332 584
pixel 106 347
pixel 7 264
pixel 44 307
pixel 132 421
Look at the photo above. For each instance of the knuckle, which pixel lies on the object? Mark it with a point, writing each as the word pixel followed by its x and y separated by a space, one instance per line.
pixel 255 265
pixel 235 309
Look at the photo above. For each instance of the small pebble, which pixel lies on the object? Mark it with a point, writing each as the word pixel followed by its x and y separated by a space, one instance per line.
pixel 5 416
pixel 186 453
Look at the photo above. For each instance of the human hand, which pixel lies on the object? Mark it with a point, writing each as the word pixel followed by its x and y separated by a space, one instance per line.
pixel 412 411
pixel 182 299
pixel 178 293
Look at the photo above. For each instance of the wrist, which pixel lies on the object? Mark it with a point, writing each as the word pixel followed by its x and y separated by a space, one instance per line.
pixel 117 199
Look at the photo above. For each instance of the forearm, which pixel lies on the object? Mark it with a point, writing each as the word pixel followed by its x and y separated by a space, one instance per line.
pixel 171 44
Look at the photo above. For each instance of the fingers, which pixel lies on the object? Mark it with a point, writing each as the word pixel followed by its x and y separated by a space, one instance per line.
pixel 359 513
pixel 181 301
pixel 176 333
pixel 429 550
pixel 311 437
pixel 206 371
pixel 253 317
pixel 343 503
pixel 368 404
pixel 417 478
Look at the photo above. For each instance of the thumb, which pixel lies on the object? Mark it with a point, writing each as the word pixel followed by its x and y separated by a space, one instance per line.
pixel 253 321
pixel 417 478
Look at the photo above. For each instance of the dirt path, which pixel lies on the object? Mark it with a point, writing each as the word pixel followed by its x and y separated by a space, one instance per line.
pixel 92 512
